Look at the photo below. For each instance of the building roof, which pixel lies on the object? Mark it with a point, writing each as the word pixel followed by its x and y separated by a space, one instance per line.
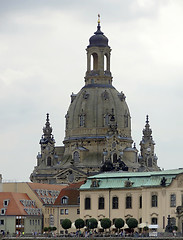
pixel 131 179
pixel 17 204
pixel 47 193
pixel 72 192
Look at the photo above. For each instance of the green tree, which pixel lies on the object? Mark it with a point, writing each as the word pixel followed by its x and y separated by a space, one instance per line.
pixel 132 223
pixel 79 223
pixel 119 223
pixel 66 223
pixel 92 223
pixel 105 223
pixel 54 228
pixel 50 229
pixel 146 228
pixel 45 229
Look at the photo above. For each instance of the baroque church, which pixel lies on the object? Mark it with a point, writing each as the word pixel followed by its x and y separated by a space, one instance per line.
pixel 98 129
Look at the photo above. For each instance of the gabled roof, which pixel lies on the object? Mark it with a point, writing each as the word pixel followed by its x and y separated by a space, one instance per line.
pixel 131 179
pixel 72 192
pixel 47 193
pixel 16 203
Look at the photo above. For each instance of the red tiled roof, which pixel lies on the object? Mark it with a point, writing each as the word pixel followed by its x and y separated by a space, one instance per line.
pixel 14 207
pixel 72 192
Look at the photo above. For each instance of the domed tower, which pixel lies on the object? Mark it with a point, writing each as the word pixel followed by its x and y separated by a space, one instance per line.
pixel 98 123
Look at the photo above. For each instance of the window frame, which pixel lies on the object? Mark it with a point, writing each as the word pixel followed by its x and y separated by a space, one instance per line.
pixel 115 202
pixel 101 203
pixel 154 220
pixel 87 203
pixel 128 202
pixel 173 200
pixel 154 200
pixel 64 200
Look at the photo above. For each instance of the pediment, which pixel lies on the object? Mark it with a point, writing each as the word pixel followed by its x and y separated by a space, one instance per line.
pixel 71 174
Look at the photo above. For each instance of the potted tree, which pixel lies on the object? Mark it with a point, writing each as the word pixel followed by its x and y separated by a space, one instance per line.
pixel 66 224
pixel 132 223
pixel 79 223
pixel 119 223
pixel 105 223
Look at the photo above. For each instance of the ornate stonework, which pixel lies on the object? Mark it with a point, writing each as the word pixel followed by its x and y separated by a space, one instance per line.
pixel 98 128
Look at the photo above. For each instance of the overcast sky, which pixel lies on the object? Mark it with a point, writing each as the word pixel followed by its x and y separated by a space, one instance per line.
pixel 43 60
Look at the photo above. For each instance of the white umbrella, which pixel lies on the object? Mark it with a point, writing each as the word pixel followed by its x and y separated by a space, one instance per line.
pixel 99 225
pixel 125 226
pixel 113 227
pixel 73 225
pixel 142 225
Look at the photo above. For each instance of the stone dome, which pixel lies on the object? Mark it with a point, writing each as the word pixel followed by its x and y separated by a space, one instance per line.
pixel 91 111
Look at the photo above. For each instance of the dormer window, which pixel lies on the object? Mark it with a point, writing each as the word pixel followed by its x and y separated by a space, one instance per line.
pixel 6 202
pixel 3 211
pixel 64 200
pixel 95 183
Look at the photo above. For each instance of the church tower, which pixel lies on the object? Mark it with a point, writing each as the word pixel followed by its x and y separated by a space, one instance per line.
pixel 98 126
pixel 147 158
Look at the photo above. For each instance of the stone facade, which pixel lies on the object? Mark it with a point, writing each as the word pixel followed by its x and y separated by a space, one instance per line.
pixel 150 197
pixel 98 128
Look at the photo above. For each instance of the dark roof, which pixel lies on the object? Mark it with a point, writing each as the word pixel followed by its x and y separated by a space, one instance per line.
pixel 72 192
pixel 99 39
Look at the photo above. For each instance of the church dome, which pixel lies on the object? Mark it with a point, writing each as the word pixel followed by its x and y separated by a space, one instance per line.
pixel 98 108
pixel 93 109
pixel 99 39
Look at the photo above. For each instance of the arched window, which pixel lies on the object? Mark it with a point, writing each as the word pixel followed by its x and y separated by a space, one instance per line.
pixel 76 156
pixel 126 120
pixel 106 119
pixel 128 202
pixel 64 200
pixel 154 200
pixel 49 161
pixel 172 200
pixel 105 63
pixel 101 203
pixel 87 203
pixel 115 202
pixel 82 120
pixel 94 62
pixel 115 158
pixel 154 221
